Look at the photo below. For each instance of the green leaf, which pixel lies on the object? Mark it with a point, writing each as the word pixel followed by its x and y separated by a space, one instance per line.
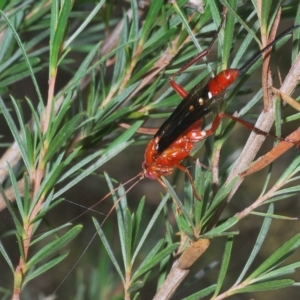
pixel 125 136
pixel 47 183
pixel 58 30
pixel 45 267
pixel 6 257
pixel 40 9
pixel 120 98
pixel 15 133
pixel 277 257
pixel 187 26
pixel 134 29
pixel 45 208
pixel 13 66
pixel 108 249
pixel 137 221
pixel 50 232
pixel 16 191
pixel 220 229
pixel 124 222
pixel 27 196
pixel 280 272
pixel 200 179
pixel 56 123
pixel 265 10
pixel 135 287
pixel 152 44
pixel 80 165
pixel 24 55
pixel 62 136
pixel 81 72
pixel 84 24
pixel 201 294
pixel 219 197
pixel 17 76
pixel 53 246
pixel 251 103
pixel 154 249
pixel 107 155
pixel 150 226
pixel 229 32
pixel 183 224
pixel 224 265
pixel 156 260
pixel 151 15
pixel 127 239
pixel 30 145
pixel 238 18
pixel 272 216
pixel 177 201
pixel 119 67
pixel 265 286
pixel 257 246
pixel 293 189
pixel 83 69
pixel 5 48
pixel 241 52
pixel 18 225
pixel 296 36
pixel 38 132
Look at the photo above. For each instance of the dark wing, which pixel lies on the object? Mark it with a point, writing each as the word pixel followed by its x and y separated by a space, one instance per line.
pixel 196 105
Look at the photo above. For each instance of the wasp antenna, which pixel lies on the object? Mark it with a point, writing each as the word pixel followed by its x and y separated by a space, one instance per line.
pixel 85 207
pixel 140 175
pixel 104 198
pixel 258 54
pixel 76 263
pixel 133 178
pixel 118 200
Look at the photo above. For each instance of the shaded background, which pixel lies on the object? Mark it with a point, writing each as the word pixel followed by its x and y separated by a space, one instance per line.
pixel 128 164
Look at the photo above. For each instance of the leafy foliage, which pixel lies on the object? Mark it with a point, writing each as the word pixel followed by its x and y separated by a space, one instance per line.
pixel 105 68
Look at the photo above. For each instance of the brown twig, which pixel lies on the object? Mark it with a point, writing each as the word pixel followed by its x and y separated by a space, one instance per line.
pixel 264 122
pixel 173 280
pixel 266 73
pixel 260 200
pixel 273 154
pixel 180 268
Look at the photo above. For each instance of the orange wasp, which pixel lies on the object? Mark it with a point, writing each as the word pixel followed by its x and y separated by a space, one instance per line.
pixel 176 137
